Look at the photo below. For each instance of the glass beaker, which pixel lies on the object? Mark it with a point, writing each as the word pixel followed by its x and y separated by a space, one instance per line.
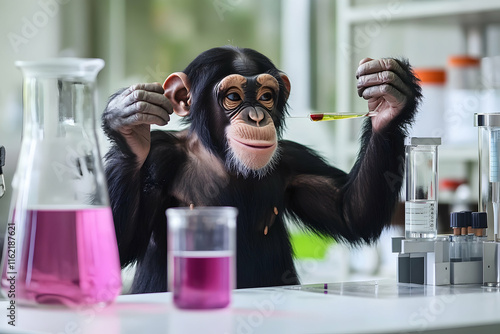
pixel 201 256
pixel 421 187
pixel 489 169
pixel 60 245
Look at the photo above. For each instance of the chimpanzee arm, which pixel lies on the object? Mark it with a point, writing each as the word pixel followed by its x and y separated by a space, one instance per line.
pixel 139 197
pixel 126 121
pixel 125 188
pixel 357 206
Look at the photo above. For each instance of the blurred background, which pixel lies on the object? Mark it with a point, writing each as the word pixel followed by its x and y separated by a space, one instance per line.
pixel 453 45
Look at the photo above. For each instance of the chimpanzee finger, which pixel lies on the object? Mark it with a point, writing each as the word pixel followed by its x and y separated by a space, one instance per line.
pixel 148 97
pixel 380 65
pixel 144 108
pixel 150 87
pixel 364 60
pixel 380 78
pixel 388 92
pixel 138 119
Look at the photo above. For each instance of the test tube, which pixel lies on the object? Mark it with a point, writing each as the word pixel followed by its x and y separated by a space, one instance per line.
pixel 479 225
pixel 469 235
pixel 421 187
pixel 489 170
pixel 459 250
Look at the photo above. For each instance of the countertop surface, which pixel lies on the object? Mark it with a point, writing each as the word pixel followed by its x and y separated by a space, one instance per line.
pixel 352 307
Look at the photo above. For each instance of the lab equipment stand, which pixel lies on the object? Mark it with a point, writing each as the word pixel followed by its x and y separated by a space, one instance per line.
pixel 424 261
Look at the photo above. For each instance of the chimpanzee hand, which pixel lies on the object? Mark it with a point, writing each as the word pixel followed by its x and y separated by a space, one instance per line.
pixel 389 86
pixel 131 112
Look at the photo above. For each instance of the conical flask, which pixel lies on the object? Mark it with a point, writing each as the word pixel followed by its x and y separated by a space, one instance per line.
pixel 60 244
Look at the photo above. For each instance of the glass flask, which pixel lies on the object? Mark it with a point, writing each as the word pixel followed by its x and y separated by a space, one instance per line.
pixel 60 244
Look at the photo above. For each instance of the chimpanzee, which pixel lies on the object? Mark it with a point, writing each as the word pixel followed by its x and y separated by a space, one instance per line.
pixel 232 154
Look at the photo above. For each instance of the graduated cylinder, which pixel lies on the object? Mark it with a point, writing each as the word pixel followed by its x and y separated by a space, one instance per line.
pixel 421 187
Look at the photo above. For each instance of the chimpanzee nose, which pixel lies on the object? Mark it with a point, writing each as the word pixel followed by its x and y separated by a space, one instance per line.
pixel 256 115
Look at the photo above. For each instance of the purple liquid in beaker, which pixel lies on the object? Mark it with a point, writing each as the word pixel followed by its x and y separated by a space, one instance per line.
pixel 202 280
pixel 68 257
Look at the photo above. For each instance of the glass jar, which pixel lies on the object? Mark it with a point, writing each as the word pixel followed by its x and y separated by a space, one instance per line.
pixel 421 156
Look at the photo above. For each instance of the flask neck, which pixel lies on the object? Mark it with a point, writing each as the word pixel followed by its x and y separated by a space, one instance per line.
pixel 59 163
pixel 59 96
pixel 57 107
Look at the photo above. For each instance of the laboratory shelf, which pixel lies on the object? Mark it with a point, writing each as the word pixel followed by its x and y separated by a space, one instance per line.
pixel 412 10
pixel 361 23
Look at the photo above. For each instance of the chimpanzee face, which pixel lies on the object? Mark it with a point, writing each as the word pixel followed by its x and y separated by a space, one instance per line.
pixel 235 101
pixel 249 103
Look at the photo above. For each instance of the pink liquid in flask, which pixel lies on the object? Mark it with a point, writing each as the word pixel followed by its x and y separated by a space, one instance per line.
pixel 202 279
pixel 68 257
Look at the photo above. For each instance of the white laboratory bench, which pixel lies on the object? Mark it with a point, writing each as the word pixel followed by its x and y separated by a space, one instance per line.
pixel 356 307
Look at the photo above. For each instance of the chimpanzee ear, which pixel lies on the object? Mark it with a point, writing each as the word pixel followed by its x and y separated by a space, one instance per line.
pixel 177 90
pixel 287 84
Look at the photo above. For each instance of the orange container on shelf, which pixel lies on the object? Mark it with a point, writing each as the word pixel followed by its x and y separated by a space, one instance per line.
pixel 463 99
pixel 431 76
pixel 463 72
pixel 429 121
pixel 463 61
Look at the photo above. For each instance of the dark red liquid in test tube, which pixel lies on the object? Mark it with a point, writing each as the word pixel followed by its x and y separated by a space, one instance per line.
pixel 316 117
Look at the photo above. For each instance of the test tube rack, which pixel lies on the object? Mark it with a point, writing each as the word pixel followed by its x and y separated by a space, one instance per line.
pixel 427 261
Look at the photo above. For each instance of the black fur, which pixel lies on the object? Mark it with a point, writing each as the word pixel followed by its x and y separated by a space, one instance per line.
pixel 352 207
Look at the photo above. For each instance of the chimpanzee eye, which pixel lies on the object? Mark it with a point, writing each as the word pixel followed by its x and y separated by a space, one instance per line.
pixel 266 97
pixel 233 97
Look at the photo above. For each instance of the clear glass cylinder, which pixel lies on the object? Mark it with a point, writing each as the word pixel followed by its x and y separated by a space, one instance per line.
pixel 60 245
pixel 489 169
pixel 421 156
pixel 201 256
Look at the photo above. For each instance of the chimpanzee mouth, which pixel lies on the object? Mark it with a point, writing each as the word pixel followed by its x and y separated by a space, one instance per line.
pixel 256 145
pixel 256 158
